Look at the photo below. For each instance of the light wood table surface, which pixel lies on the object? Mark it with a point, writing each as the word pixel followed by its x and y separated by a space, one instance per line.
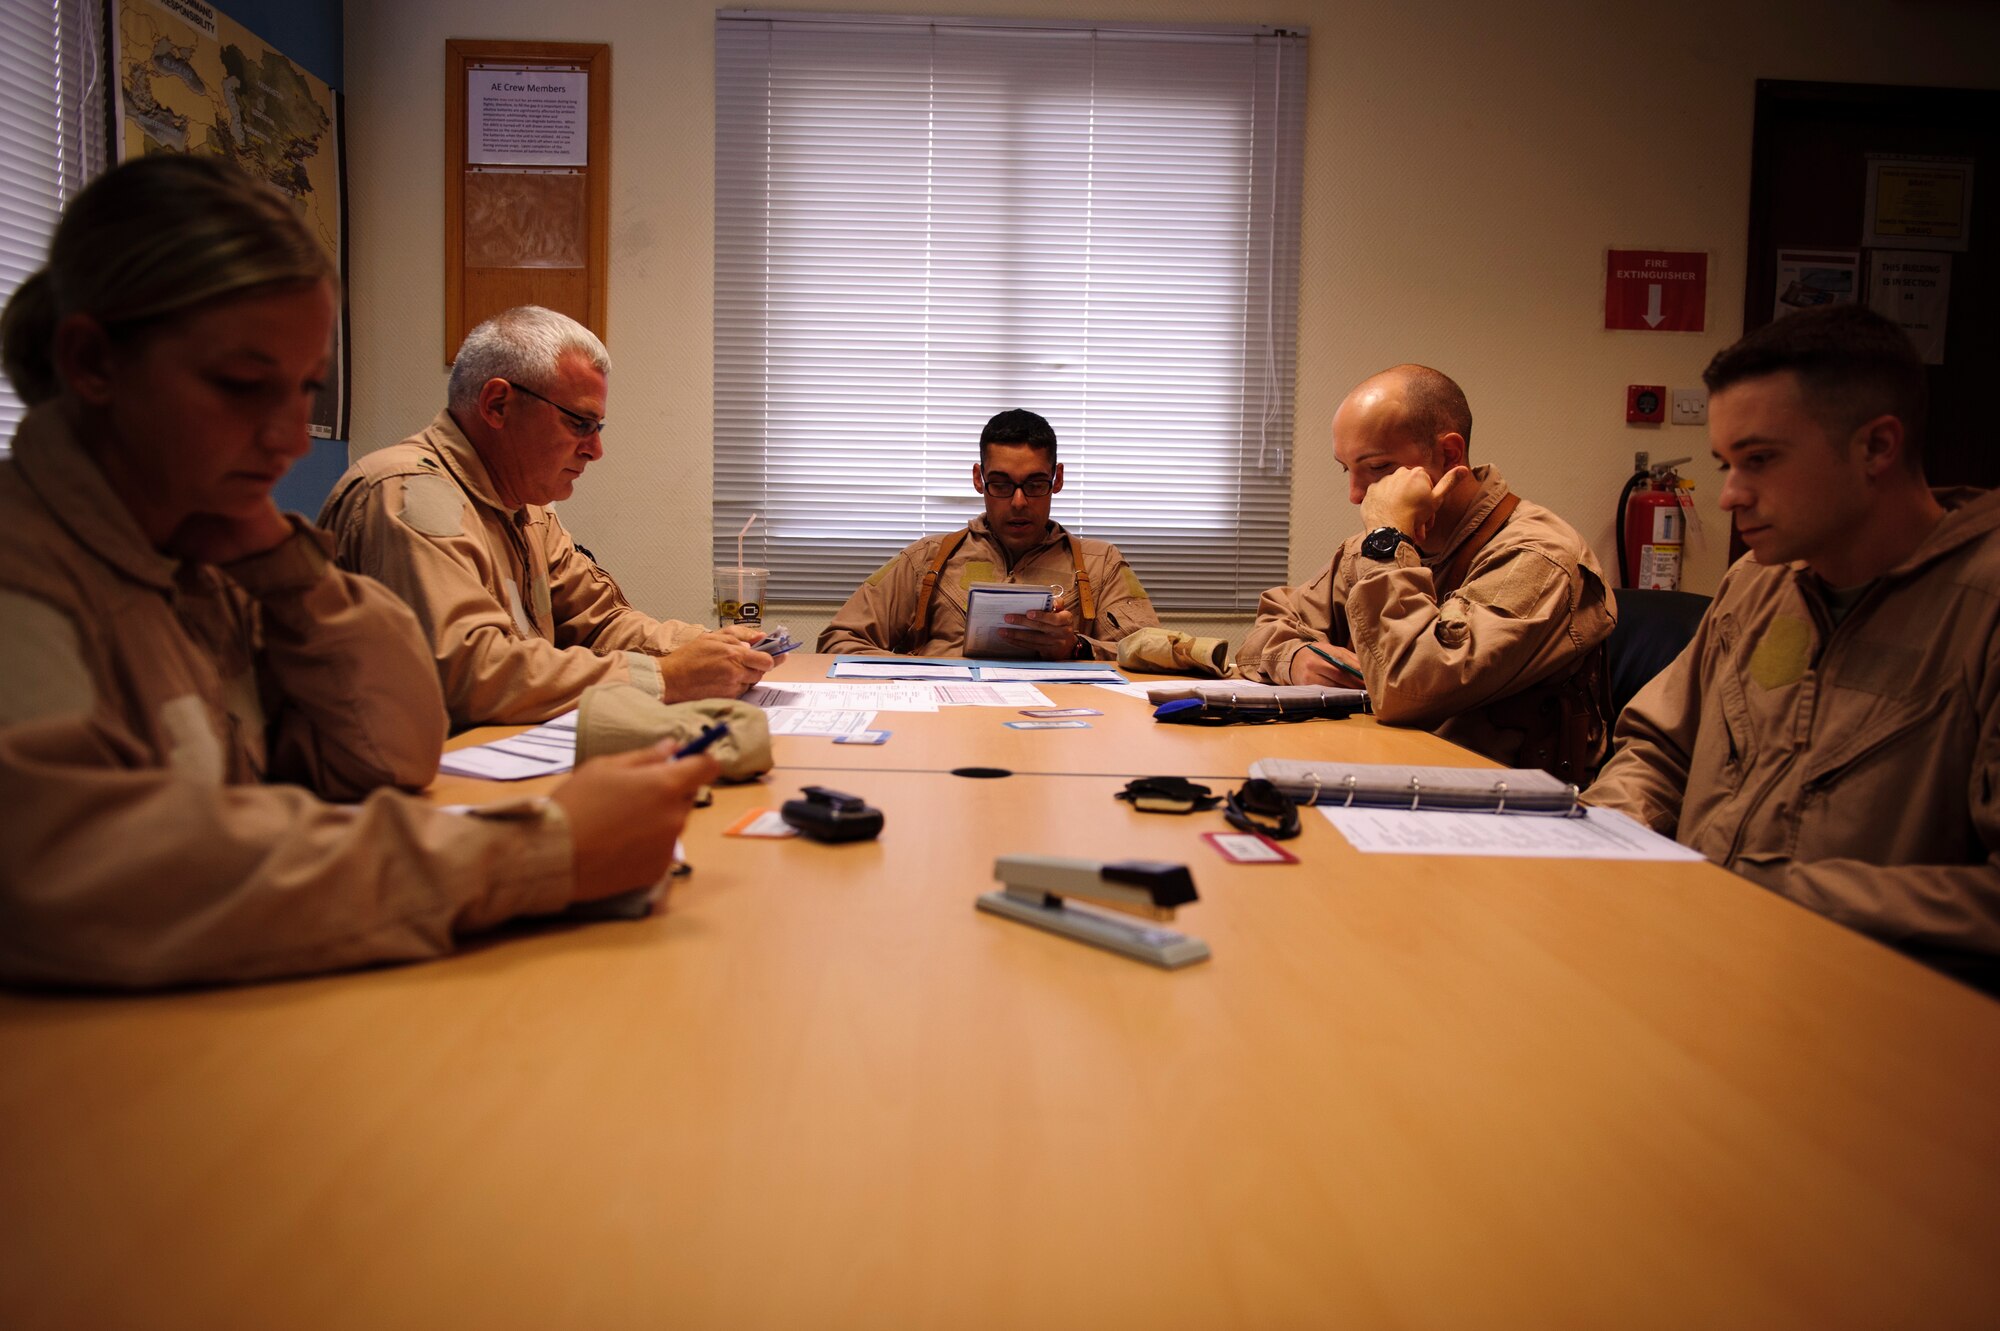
pixel 821 1090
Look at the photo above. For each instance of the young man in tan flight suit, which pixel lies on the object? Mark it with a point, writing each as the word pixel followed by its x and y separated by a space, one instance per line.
pixel 1461 607
pixel 914 605
pixel 1833 731
pixel 455 521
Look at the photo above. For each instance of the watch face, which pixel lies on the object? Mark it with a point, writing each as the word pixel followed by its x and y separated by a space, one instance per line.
pixel 1382 542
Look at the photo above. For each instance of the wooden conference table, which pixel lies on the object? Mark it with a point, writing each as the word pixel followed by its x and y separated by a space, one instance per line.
pixel 821 1090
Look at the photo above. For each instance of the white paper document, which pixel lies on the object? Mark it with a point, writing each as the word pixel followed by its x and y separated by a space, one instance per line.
pixel 816 721
pixel 547 750
pixel 1129 690
pixel 845 695
pixel 901 670
pixel 990 695
pixel 1080 673
pixel 1600 834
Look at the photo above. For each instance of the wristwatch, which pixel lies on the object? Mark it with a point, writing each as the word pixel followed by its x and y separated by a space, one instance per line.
pixel 1382 542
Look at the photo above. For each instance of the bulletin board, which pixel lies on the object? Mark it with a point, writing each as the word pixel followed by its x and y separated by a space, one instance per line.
pixel 527 181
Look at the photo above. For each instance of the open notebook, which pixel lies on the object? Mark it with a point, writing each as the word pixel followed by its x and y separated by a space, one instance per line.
pixel 987 605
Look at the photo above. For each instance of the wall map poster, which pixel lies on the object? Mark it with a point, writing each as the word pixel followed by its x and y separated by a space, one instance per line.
pixel 192 80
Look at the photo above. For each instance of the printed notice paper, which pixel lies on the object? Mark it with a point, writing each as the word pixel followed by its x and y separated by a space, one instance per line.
pixel 1600 834
pixel 817 721
pixel 547 750
pixel 829 694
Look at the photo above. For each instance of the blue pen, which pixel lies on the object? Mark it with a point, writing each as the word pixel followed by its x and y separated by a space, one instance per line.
pixel 700 743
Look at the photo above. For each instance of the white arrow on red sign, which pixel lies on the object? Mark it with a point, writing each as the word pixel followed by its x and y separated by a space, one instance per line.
pixel 1653 316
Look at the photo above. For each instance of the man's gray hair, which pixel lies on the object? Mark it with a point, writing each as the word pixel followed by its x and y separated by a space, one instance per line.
pixel 525 344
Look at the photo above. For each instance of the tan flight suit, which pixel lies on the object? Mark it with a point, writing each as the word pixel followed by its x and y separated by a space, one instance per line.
pixel 1531 609
pixel 144 704
pixel 1854 768
pixel 883 614
pixel 520 620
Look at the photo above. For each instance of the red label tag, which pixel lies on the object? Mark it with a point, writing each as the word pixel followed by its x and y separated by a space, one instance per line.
pixel 1248 848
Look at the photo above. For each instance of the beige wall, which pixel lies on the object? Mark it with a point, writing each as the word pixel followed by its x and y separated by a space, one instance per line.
pixel 1466 168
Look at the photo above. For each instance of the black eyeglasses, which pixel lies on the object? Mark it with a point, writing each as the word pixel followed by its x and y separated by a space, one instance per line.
pixel 581 425
pixel 1035 487
pixel 1250 805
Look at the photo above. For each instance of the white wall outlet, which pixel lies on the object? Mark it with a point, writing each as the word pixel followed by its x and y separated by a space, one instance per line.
pixel 1690 406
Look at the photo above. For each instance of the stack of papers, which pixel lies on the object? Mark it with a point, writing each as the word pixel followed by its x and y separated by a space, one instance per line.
pixel 847 669
pixel 985 671
pixel 547 750
pixel 864 697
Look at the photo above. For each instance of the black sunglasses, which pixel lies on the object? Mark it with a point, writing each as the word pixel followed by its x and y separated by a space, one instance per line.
pixel 1259 806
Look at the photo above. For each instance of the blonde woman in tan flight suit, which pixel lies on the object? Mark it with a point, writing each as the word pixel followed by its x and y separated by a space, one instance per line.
pixel 186 679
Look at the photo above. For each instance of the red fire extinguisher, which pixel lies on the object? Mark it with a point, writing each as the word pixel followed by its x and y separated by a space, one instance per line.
pixel 1652 526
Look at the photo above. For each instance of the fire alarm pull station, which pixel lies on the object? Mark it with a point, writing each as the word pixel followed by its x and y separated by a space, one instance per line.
pixel 1645 404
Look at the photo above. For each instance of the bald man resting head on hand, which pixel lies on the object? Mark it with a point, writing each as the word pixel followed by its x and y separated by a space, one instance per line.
pixel 1460 607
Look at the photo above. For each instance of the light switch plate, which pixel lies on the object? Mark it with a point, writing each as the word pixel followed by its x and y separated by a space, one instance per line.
pixel 1690 406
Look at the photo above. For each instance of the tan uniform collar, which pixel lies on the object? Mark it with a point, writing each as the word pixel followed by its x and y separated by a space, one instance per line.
pixel 54 464
pixel 1492 489
pixel 1970 514
pixel 1054 536
pixel 449 442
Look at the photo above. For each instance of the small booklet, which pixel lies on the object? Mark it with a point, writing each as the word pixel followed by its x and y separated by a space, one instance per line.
pixel 1388 786
pixel 987 605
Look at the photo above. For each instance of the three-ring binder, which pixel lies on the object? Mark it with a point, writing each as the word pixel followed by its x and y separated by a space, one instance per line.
pixel 1514 791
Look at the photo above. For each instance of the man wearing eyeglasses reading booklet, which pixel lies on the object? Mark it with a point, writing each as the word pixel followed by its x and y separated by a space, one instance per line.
pixel 916 604
pixel 455 520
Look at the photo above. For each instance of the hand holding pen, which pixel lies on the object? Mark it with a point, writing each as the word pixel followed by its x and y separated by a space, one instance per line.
pixel 1343 672
pixel 700 743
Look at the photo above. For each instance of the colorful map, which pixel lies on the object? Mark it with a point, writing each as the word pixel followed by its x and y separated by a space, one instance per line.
pixel 192 80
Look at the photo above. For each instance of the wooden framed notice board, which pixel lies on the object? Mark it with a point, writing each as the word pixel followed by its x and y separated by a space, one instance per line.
pixel 527 181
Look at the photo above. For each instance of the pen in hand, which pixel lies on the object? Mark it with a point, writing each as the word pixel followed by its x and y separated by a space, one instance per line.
pixel 700 743
pixel 1335 662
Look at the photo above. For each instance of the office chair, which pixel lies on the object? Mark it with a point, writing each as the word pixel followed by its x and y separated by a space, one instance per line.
pixel 1653 627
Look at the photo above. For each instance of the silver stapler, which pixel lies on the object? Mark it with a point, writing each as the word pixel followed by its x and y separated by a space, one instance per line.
pixel 1039 889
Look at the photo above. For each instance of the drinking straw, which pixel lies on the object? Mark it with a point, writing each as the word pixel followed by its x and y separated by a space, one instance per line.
pixel 739 556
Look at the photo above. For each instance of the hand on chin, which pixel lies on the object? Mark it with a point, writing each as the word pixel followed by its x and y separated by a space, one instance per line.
pixel 223 538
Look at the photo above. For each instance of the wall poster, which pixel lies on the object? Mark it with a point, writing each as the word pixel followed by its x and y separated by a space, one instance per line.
pixel 192 80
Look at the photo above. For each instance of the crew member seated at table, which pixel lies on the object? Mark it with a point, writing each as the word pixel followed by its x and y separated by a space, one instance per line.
pixel 173 642
pixel 914 605
pixel 455 521
pixel 1833 730
pixel 1461 607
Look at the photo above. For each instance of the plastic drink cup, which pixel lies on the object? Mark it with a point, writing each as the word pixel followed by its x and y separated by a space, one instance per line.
pixel 739 594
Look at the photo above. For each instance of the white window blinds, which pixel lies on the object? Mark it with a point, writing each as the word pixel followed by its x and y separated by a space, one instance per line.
pixel 51 134
pixel 920 223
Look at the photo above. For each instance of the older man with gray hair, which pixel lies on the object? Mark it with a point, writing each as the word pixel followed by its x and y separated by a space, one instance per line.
pixel 454 520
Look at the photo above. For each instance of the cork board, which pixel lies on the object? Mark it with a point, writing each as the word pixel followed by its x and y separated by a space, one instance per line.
pixel 527 181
